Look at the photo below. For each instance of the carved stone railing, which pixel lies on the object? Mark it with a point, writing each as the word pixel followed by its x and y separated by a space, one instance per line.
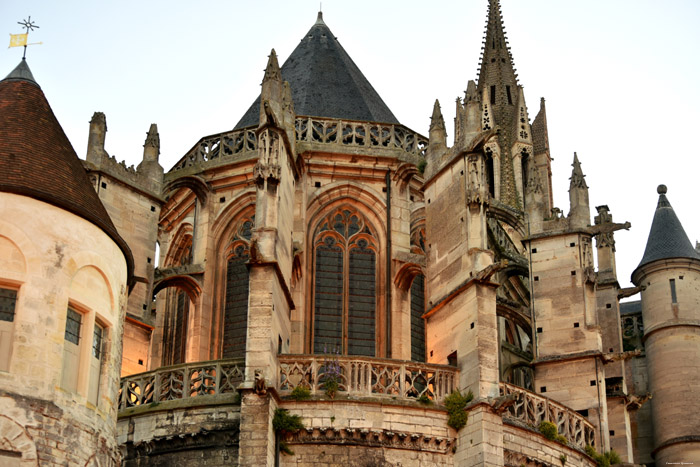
pixel 360 134
pixel 311 130
pixel 181 382
pixel 532 409
pixel 369 377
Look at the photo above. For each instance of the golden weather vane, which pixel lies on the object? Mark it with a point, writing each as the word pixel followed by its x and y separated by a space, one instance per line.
pixel 17 40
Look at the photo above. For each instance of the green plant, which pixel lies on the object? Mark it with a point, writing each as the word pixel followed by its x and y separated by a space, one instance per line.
pixel 563 459
pixel 421 166
pixel 331 373
pixel 455 404
pixel 283 422
pixel 603 460
pixel 424 399
pixel 300 393
pixel 549 431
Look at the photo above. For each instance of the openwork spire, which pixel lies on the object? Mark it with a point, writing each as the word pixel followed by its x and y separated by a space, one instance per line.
pixel 496 64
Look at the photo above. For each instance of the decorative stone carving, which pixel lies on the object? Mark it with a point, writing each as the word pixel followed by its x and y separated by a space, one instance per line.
pixel 371 438
pixel 260 386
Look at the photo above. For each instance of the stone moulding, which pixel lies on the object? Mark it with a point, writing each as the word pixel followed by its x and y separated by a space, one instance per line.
pixel 169 444
pixel 371 438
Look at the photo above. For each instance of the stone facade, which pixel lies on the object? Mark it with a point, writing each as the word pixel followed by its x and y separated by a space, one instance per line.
pixel 322 260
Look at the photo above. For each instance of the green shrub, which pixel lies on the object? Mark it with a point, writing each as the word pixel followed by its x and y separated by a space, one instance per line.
pixel 283 422
pixel 424 399
pixel 603 460
pixel 455 404
pixel 549 431
pixel 300 393
pixel 421 166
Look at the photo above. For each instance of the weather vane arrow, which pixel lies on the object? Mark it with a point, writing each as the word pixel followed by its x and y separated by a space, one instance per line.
pixel 18 40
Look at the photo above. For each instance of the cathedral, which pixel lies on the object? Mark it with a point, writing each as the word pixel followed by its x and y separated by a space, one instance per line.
pixel 334 288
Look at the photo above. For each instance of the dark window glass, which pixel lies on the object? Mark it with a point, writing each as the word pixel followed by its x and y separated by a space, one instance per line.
pixel 73 322
pixel 97 341
pixel 8 299
pixel 236 305
pixel 417 321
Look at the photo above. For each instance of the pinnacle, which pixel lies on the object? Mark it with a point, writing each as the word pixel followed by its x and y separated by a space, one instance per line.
pixel 577 177
pixel 272 71
pixel 437 121
pixel 22 72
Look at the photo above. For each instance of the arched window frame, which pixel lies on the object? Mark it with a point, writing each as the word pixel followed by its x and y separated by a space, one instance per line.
pixel 237 241
pixel 369 233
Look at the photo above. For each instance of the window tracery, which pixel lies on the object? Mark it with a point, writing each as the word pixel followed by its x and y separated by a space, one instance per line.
pixel 345 283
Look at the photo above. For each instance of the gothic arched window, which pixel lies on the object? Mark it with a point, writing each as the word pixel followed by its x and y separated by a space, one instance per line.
pixel 177 310
pixel 235 322
pixel 417 321
pixel 345 280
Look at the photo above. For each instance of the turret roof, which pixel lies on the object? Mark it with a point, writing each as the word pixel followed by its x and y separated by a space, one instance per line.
pixel 667 238
pixel 325 82
pixel 37 160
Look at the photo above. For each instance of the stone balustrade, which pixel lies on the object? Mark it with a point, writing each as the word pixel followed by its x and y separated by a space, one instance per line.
pixel 310 130
pixel 368 377
pixel 181 382
pixel 532 409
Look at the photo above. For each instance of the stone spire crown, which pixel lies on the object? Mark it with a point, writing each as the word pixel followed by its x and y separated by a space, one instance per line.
pixel 272 70
pixel 436 120
pixel 496 67
pixel 577 177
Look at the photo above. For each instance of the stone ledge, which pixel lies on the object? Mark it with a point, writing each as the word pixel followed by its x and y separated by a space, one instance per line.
pixel 371 438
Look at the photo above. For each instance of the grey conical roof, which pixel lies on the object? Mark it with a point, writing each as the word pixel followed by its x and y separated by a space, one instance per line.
pixel 22 72
pixel 667 238
pixel 325 82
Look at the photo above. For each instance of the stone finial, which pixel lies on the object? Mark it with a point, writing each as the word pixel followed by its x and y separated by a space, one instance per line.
pixel 96 139
pixel 471 94
pixel 661 189
pixel 151 148
pixel 272 70
pixel 580 213
pixel 577 177
pixel 438 133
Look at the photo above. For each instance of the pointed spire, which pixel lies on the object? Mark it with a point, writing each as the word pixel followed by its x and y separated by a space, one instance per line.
pixel 496 65
pixel 667 238
pixel 151 148
pixel 319 18
pixel 272 71
pixel 540 136
pixel 438 133
pixel 437 122
pixel 580 211
pixel 22 72
pixel 577 177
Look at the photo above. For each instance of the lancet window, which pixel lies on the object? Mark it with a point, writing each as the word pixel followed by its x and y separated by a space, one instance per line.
pixel 235 322
pixel 177 314
pixel 417 321
pixel 345 283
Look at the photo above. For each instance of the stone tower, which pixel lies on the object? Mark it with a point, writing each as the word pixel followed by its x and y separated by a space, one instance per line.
pixel 132 197
pixel 64 277
pixel 670 274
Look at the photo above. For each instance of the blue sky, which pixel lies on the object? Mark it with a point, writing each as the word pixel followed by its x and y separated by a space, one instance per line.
pixel 620 78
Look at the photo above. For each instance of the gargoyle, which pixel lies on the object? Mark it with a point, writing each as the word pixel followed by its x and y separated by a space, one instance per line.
pixel 260 386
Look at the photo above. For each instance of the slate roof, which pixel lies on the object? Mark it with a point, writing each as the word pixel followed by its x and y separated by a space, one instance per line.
pixel 37 160
pixel 667 238
pixel 628 308
pixel 325 82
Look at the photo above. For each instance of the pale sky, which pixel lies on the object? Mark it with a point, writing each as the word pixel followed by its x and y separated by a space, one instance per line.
pixel 621 78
